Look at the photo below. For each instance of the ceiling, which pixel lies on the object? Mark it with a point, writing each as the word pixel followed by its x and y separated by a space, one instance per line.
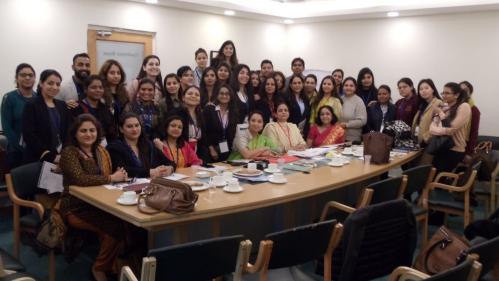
pixel 325 10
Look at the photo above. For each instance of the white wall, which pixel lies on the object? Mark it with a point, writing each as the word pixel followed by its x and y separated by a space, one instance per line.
pixel 47 33
pixel 445 48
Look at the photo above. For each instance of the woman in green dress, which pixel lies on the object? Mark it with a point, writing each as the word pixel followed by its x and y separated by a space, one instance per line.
pixel 249 143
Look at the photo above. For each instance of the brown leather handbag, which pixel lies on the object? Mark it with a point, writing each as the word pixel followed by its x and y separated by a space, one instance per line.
pixel 443 252
pixel 167 195
pixel 378 145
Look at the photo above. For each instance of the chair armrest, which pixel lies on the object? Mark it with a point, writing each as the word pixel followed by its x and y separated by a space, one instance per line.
pixel 447 187
pixel 21 202
pixel 262 259
pixel 404 271
pixel 335 205
pixel 127 274
pixel 495 173
pixel 455 177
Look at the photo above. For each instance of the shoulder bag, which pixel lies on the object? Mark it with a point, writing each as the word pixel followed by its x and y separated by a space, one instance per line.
pixel 165 195
pixel 378 145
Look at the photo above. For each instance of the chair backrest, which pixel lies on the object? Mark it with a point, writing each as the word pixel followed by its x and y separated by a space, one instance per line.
pixel 417 179
pixel 25 179
pixel 300 245
pixel 375 241
pixel 467 173
pixel 461 272
pixel 488 253
pixel 200 260
pixel 389 189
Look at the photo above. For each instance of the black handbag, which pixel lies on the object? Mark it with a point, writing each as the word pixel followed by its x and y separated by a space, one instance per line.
pixel 440 143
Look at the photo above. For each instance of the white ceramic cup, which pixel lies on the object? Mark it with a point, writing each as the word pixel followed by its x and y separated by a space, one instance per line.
pixel 336 161
pixel 278 177
pixel 272 167
pixel 129 196
pixel 227 176
pixel 367 159
pixel 252 166
pixel 217 180
pixel 233 184
pixel 347 150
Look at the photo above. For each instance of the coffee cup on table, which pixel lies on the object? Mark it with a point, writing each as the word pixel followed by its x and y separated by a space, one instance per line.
pixel 217 180
pixel 233 184
pixel 252 166
pixel 278 177
pixel 227 176
pixel 129 196
pixel 272 167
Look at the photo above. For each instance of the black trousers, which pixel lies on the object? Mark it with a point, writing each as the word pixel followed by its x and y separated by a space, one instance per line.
pixel 447 160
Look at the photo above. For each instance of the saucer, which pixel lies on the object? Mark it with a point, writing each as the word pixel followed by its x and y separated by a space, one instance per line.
pixel 203 174
pixel 197 185
pixel 335 165
pixel 272 171
pixel 121 201
pixel 359 154
pixel 347 153
pixel 230 190
pixel 281 181
pixel 224 183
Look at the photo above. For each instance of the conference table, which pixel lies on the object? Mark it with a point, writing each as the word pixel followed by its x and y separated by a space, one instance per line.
pixel 214 205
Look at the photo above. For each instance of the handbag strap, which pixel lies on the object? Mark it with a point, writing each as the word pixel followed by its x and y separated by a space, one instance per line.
pixel 145 211
pixel 443 243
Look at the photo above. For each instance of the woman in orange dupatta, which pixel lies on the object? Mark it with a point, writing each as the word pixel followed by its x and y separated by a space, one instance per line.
pixel 325 131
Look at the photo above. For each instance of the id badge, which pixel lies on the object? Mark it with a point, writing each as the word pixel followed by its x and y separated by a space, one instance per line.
pixel 224 147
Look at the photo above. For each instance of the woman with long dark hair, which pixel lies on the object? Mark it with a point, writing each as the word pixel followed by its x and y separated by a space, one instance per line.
pixel 242 87
pixel 221 121
pixel 268 99
pixel 408 105
pixel 115 92
pixel 45 121
pixel 135 153
pixel 327 96
pixel 145 107
pixel 382 111
pixel 201 57
pixel 13 104
pixel 430 100
pixel 299 104
pixel 207 86
pixel 174 146
pixel 457 117
pixel 366 89
pixel 150 70
pixel 223 73
pixel 226 54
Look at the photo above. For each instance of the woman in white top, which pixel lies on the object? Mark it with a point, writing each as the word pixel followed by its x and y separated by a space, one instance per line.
pixel 285 135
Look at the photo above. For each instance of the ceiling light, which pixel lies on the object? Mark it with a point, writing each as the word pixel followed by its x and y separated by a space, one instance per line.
pixel 229 13
pixel 288 21
pixel 392 14
pixel 152 1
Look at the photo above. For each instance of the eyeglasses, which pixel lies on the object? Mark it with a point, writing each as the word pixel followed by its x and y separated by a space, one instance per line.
pixel 26 75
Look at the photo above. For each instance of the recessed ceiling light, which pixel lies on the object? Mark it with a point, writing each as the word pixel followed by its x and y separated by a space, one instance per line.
pixel 288 21
pixel 152 1
pixel 392 14
pixel 229 13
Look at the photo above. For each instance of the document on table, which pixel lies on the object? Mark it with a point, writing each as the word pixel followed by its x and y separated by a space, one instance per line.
pixel 311 152
pixel 121 185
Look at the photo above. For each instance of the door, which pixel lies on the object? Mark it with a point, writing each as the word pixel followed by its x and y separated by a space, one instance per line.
pixel 127 48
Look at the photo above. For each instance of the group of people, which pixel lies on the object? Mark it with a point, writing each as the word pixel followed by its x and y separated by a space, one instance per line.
pixel 100 130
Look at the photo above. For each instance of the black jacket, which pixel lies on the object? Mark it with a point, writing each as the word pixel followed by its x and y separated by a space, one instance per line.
pixel 103 115
pixel 375 116
pixel 122 156
pixel 215 132
pixel 295 115
pixel 38 133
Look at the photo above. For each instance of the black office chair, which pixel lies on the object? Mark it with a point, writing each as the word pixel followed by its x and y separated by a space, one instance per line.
pixel 388 189
pixel 376 240
pixel 468 270
pixel 11 269
pixel 418 183
pixel 200 260
pixel 488 256
pixel 285 249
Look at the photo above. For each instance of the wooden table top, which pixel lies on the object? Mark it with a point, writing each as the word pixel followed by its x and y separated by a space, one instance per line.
pixel 320 180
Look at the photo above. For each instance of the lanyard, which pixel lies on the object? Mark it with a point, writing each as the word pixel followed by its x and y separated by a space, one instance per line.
pixel 287 133
pixel 171 153
pixel 224 121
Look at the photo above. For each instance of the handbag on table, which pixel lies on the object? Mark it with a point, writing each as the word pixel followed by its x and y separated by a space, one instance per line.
pixel 444 251
pixel 166 195
pixel 378 145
